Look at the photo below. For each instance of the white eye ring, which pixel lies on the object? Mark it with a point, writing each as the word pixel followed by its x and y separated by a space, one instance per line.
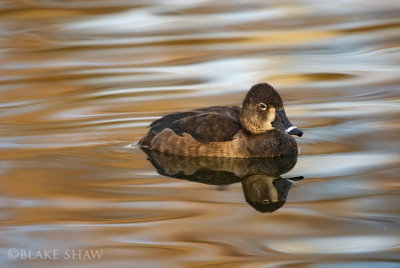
pixel 262 106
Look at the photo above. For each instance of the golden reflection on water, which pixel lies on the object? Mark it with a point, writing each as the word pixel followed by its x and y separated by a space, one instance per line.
pixel 81 80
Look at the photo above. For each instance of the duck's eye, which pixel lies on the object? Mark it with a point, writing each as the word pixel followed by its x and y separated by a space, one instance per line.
pixel 262 106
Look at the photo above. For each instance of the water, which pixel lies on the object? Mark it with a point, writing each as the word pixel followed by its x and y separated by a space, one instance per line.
pixel 81 80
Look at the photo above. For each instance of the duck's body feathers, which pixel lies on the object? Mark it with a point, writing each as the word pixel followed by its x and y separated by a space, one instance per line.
pixel 212 124
pixel 257 129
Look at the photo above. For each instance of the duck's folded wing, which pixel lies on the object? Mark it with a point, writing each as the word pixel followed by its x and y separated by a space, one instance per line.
pixel 167 120
pixel 207 127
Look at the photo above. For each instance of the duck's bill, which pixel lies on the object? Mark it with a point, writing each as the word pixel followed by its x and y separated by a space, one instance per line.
pixel 293 130
pixel 282 122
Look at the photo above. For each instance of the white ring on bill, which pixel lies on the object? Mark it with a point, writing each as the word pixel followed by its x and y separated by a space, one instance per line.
pixel 289 129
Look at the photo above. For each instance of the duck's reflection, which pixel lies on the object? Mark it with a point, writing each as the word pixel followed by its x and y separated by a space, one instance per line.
pixel 266 193
pixel 262 185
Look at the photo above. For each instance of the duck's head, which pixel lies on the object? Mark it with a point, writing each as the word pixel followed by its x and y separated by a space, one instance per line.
pixel 263 111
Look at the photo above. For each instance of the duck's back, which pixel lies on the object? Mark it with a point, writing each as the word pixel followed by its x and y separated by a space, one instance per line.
pixel 212 124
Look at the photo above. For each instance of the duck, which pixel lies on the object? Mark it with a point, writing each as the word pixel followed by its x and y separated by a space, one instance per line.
pixel 259 128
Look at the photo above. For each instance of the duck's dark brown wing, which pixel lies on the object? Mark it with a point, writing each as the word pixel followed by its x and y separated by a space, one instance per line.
pixel 207 127
pixel 213 124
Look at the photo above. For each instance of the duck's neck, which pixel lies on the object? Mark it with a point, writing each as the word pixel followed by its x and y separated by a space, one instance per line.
pixel 272 143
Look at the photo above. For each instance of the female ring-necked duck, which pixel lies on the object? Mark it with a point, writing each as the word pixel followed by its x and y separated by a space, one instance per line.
pixel 259 128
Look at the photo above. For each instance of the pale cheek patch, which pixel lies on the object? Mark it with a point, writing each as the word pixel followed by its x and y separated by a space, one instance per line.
pixel 290 129
pixel 270 118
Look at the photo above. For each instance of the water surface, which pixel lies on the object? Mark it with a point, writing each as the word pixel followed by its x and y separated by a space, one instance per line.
pixel 81 80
